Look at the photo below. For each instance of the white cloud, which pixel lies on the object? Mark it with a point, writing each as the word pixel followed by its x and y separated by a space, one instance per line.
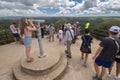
pixel 68 3
pixel 63 11
pixel 30 7
pixel 17 12
pixel 97 7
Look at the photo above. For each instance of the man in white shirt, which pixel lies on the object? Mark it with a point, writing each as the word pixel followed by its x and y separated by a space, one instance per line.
pixel 68 39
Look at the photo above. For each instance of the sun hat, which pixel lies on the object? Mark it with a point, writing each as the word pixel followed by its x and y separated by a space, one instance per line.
pixel 69 25
pixel 114 29
pixel 60 31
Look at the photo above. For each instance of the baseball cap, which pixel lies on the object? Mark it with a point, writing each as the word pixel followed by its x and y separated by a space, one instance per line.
pixel 114 29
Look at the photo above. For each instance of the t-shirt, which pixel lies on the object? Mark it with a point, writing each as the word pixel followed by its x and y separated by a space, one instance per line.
pixel 109 50
pixel 60 35
pixel 86 40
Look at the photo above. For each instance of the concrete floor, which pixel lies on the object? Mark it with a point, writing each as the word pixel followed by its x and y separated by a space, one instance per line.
pixel 11 53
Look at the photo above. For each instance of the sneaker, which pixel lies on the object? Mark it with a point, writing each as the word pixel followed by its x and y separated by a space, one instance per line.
pixel 66 51
pixel 109 75
pixel 94 78
pixel 99 79
pixel 82 58
pixel 84 64
pixel 69 56
pixel 117 77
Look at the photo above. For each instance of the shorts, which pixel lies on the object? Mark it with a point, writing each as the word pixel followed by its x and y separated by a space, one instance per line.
pixel 27 41
pixel 106 64
pixel 16 35
pixel 117 60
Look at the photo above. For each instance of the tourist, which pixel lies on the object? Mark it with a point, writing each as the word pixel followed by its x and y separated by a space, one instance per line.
pixel 85 48
pixel 42 30
pixel 27 27
pixel 60 36
pixel 51 32
pixel 14 31
pixel 117 60
pixel 105 54
pixel 68 39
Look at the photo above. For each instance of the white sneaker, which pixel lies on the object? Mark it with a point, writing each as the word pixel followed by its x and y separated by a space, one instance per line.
pixel 117 77
pixel 109 75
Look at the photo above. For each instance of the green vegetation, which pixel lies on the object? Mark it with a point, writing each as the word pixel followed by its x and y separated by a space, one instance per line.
pixel 100 30
pixel 98 26
pixel 5 36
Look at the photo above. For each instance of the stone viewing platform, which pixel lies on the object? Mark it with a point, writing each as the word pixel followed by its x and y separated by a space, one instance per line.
pixel 50 67
pixel 55 66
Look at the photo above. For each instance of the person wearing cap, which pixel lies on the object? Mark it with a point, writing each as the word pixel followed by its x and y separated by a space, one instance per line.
pixel 105 54
pixel 117 60
pixel 68 39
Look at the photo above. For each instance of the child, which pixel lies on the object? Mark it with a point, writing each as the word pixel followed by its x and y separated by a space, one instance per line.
pixel 60 36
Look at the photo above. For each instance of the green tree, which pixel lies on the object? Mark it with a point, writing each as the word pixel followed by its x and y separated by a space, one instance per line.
pixel 59 23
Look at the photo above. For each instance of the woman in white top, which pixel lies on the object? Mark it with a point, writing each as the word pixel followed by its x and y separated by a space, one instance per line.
pixel 14 31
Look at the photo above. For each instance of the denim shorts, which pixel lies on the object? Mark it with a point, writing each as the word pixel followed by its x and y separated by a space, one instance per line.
pixel 27 41
pixel 106 64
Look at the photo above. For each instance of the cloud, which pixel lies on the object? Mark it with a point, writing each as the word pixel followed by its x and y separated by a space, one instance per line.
pixel 18 8
pixel 98 7
pixel 65 7
pixel 63 11
pixel 110 6
pixel 15 5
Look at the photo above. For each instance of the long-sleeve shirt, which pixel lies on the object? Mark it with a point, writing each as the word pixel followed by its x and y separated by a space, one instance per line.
pixel 68 36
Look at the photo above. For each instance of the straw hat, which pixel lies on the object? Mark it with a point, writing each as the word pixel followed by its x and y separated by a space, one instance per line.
pixel 69 25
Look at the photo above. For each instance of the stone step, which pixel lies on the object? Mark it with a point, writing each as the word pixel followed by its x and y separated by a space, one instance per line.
pixel 53 75
pixel 41 66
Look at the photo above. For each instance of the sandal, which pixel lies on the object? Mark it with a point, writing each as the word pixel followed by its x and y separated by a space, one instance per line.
pixel 30 60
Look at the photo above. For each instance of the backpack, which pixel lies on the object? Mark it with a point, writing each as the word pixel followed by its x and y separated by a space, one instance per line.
pixel 118 48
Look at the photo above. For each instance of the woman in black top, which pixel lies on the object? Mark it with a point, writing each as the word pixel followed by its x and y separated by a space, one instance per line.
pixel 86 46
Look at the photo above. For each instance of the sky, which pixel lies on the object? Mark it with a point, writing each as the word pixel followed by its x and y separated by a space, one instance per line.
pixel 59 7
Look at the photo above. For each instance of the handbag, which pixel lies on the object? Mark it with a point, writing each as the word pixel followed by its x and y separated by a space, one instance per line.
pixel 86 49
